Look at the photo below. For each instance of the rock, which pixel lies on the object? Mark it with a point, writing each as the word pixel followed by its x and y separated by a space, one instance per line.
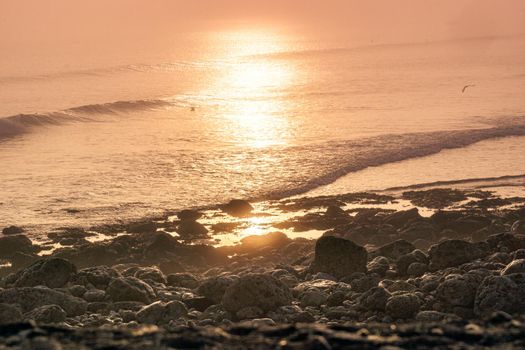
pixel 336 299
pixel 313 297
pixel 450 253
pixel 9 314
pixel 338 257
pixel 51 272
pixel 364 283
pixel 186 280
pixel 189 215
pixel 404 261
pixel 378 265
pixel 324 276
pixel 518 227
pixel 214 288
pixel 274 239
pixel 238 208
pixel 402 306
pixel 130 289
pixel 16 243
pixel 395 249
pixel 97 276
pixel 458 290
pixel 249 312
pixel 435 316
pixel 198 303
pixel 151 274
pixel 94 295
pixel 161 313
pixel 162 243
pixel 515 266
pixel 400 218
pixel 417 269
pixel 142 227
pixel 499 293
pixel 12 230
pixel 47 314
pixel 30 298
pixel 189 230
pixel 259 290
pixel 333 211
pixel 374 299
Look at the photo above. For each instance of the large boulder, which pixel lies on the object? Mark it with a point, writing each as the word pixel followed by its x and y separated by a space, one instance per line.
pixel 339 257
pixel 30 298
pixel 52 272
pixel 453 252
pixel 130 289
pixel 256 290
pixel 458 290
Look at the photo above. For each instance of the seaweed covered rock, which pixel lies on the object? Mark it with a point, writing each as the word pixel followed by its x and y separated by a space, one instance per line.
pixel 338 257
pixel 256 290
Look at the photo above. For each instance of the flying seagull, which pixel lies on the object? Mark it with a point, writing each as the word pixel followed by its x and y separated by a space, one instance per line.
pixel 466 86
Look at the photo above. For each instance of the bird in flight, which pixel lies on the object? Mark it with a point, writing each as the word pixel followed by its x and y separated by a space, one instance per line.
pixel 466 86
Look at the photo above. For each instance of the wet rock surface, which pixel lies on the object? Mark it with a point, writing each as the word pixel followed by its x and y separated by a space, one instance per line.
pixel 369 282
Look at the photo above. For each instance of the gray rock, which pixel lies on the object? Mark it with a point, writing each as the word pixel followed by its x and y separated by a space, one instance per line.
pixel 249 312
pixel 186 280
pixel 47 314
pixel 52 272
pixel 518 227
pixel 379 265
pixel 458 290
pixel 417 269
pixel 30 298
pixel 499 293
pixel 313 297
pixel 434 316
pixel 191 230
pixel 10 245
pixel 94 295
pixel 374 299
pixel 162 313
pixel 259 290
pixel 98 276
pixel 150 273
pixel 9 314
pixel 213 288
pixel 404 261
pixel 395 249
pixel 450 253
pixel 12 230
pixel 238 208
pixel 402 306
pixel 338 257
pixel 130 289
pixel 515 266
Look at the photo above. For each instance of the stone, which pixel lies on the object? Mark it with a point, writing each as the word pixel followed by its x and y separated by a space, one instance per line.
pixel 313 297
pixel 12 230
pixel 30 298
pixel 435 316
pixel 186 280
pixel 50 272
pixel 189 215
pixel 518 227
pixel 402 306
pixel 10 245
pixel 258 290
pixel 238 208
pixel 47 314
pixel 130 289
pixel 9 314
pixel 378 265
pixel 249 312
pixel 94 295
pixel 191 230
pixel 404 261
pixel 458 290
pixel 515 266
pixel 417 269
pixel 338 257
pixel 499 293
pixel 198 303
pixel 151 274
pixel 162 313
pixel 450 253
pixel 97 276
pixel 402 217
pixel 374 299
pixel 214 288
pixel 395 249
pixel 273 239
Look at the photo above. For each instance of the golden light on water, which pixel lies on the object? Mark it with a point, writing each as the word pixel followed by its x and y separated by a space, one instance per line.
pixel 253 83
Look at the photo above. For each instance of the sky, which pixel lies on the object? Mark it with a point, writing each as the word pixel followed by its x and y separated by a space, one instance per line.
pixel 48 21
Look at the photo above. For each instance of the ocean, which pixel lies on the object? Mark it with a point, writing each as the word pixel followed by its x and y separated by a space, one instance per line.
pixel 90 137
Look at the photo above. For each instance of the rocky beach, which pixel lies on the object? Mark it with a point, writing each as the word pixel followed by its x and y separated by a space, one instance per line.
pixel 429 268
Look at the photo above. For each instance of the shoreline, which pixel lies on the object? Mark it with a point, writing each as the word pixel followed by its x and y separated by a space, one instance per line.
pixel 447 259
